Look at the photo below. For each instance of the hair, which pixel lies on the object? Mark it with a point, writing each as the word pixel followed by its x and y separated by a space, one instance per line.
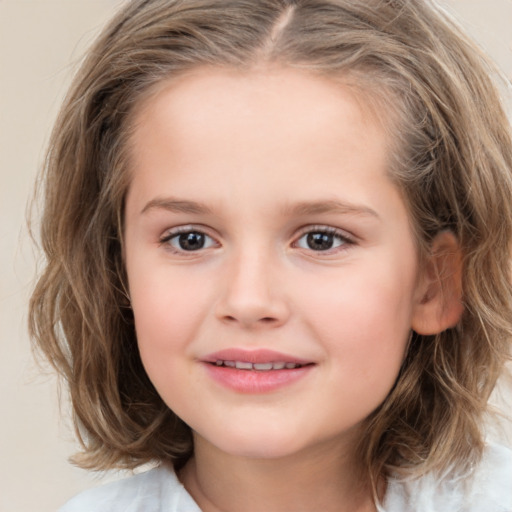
pixel 452 160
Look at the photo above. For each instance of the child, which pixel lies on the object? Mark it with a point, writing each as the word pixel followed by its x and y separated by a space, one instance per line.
pixel 278 252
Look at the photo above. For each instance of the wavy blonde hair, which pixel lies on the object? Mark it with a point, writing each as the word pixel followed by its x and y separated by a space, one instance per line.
pixel 452 159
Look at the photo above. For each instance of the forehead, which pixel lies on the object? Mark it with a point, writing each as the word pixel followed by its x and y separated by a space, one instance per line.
pixel 290 105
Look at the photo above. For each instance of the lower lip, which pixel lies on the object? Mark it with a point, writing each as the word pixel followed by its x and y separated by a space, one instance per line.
pixel 256 381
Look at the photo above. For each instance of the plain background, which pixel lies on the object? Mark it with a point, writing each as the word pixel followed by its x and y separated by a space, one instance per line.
pixel 41 42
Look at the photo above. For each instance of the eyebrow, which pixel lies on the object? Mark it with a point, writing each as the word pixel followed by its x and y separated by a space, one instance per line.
pixel 329 206
pixel 176 205
pixel 301 208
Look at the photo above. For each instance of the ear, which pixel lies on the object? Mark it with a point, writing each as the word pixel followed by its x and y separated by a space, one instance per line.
pixel 438 303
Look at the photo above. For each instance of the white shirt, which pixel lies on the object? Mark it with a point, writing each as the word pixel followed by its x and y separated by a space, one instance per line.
pixel 487 489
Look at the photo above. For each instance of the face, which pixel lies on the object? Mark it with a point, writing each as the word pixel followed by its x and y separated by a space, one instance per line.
pixel 272 268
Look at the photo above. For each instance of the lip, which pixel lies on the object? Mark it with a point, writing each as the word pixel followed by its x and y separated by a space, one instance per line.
pixel 255 381
pixel 253 356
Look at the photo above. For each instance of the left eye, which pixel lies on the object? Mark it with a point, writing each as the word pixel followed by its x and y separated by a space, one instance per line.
pixel 321 240
pixel 189 241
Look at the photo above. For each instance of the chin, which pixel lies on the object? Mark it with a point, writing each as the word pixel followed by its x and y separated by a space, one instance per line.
pixel 259 443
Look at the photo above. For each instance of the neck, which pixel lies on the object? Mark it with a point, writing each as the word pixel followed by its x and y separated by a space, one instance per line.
pixel 323 478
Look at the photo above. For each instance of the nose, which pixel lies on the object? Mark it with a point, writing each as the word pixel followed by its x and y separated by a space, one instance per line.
pixel 253 295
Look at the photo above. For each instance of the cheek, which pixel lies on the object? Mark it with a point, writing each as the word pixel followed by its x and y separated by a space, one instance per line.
pixel 165 322
pixel 167 309
pixel 363 317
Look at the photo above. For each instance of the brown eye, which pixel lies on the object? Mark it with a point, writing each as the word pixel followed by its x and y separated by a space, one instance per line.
pixel 325 239
pixel 191 241
pixel 319 241
pixel 188 241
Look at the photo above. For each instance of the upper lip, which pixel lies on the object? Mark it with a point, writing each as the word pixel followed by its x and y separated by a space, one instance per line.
pixel 253 356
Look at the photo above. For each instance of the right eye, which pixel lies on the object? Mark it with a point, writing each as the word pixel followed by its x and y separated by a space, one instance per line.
pixel 188 240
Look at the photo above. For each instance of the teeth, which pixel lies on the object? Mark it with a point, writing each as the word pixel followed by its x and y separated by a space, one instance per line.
pixel 243 366
pixel 264 367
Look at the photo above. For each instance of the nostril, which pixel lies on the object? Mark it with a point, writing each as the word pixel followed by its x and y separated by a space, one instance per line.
pixel 263 320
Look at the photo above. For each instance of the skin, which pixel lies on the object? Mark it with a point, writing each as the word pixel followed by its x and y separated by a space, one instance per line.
pixel 256 161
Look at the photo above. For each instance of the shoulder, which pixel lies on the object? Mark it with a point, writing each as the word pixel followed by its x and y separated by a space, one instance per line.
pixel 486 488
pixel 491 483
pixel 157 490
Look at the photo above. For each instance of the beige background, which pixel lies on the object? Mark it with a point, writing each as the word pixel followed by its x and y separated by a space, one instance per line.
pixel 41 42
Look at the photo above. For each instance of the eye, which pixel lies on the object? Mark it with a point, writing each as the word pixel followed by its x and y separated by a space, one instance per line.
pixel 322 239
pixel 188 240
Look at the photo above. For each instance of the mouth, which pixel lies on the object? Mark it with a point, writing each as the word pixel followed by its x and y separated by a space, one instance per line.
pixel 261 367
pixel 256 371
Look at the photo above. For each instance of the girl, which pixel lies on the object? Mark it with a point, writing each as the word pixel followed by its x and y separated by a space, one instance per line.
pixel 278 251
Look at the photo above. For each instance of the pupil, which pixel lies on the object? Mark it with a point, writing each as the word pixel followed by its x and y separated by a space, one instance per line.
pixel 320 241
pixel 191 241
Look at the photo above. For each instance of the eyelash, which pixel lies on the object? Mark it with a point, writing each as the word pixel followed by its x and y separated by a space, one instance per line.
pixel 183 230
pixel 344 239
